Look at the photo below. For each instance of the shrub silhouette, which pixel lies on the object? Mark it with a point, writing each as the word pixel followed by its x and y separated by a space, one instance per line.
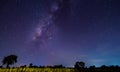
pixel 9 60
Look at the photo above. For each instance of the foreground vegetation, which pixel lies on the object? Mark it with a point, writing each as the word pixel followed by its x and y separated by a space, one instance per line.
pixel 78 67
pixel 57 70
pixel 37 70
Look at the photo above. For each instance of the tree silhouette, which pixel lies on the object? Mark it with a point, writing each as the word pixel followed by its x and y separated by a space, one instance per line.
pixel 9 60
pixel 79 64
pixel 30 65
pixel 92 67
pixel 58 66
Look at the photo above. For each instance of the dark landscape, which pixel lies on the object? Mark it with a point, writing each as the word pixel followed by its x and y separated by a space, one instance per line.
pixel 78 67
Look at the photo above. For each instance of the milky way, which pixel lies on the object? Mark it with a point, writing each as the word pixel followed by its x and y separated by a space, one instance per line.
pixel 45 31
pixel 46 28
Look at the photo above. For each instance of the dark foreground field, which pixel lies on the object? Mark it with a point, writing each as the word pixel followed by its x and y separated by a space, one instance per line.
pixel 57 70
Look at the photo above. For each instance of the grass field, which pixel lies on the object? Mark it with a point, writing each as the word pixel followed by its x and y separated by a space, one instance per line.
pixel 37 70
pixel 56 70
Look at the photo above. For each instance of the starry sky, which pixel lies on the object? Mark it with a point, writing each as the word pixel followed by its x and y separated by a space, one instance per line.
pixel 49 32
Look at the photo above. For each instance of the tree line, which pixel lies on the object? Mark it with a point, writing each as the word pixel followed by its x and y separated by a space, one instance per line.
pixel 79 65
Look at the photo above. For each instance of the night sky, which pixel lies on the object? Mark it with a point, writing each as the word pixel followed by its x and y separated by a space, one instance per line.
pixel 49 32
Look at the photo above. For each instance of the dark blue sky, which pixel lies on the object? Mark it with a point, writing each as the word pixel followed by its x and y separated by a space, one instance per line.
pixel 48 32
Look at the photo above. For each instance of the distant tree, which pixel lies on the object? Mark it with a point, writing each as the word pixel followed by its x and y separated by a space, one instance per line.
pixel 30 65
pixel 41 66
pixel 58 66
pixel 24 66
pixel 92 67
pixel 104 67
pixel 9 60
pixel 1 67
pixel 114 67
pixel 117 67
pixel 79 64
pixel 49 66
pixel 33 66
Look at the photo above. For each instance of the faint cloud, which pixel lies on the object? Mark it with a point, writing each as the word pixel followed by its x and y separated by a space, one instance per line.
pixel 83 55
pixel 104 49
pixel 98 62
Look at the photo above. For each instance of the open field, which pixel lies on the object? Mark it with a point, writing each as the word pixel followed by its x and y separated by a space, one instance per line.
pixel 56 70
pixel 37 70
